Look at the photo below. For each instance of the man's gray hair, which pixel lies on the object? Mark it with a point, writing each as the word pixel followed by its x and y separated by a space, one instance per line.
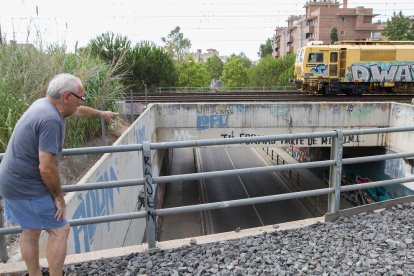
pixel 62 83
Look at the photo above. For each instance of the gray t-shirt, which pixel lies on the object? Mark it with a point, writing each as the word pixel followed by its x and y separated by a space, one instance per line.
pixel 41 128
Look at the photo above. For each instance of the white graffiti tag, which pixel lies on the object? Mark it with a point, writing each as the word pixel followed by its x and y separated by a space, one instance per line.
pixel 383 72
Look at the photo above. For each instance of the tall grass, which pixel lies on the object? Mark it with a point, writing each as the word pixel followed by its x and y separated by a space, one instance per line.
pixel 24 76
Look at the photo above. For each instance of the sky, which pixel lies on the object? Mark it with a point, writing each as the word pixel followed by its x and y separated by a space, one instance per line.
pixel 229 26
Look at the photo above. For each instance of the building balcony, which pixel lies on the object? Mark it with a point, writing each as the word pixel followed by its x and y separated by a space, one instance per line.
pixel 276 44
pixel 366 27
pixel 310 29
pixel 290 39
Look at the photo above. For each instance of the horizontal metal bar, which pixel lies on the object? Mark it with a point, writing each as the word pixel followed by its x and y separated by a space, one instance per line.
pixel 267 169
pixel 241 202
pixel 103 185
pixel 375 184
pixel 85 221
pixel 108 218
pixel 10 230
pixel 376 130
pixel 102 149
pixel 374 158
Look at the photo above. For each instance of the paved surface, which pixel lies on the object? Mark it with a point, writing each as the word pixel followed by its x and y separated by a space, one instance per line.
pixel 181 193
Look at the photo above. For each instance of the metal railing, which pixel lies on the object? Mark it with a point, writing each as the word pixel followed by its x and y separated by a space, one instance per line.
pixel 224 89
pixel 333 191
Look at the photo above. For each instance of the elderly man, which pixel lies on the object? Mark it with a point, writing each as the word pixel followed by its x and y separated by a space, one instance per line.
pixel 29 176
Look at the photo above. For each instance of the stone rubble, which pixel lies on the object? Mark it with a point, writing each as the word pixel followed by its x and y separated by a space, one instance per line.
pixel 376 243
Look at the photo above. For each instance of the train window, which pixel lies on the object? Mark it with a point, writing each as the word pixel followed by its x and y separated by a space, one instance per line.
pixel 334 57
pixel 315 57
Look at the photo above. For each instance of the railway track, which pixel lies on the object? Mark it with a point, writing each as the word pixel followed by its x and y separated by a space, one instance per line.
pixel 262 96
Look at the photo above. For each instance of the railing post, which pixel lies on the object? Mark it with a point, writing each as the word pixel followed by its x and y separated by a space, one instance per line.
pixel 335 171
pixel 3 247
pixel 149 194
pixel 132 106
pixel 104 142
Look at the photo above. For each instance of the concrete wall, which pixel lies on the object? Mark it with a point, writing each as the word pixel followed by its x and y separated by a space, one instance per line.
pixel 203 121
pixel 402 115
pixel 117 166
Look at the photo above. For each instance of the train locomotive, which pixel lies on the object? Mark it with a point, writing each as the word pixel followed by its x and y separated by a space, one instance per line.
pixel 355 67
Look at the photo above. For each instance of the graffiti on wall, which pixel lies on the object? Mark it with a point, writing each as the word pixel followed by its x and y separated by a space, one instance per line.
pixel 224 109
pixel 324 141
pixel 300 154
pixel 212 121
pixel 280 110
pixel 140 136
pixel 183 135
pixel 93 203
pixel 381 72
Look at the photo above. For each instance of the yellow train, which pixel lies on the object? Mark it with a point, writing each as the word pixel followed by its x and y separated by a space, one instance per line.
pixel 355 67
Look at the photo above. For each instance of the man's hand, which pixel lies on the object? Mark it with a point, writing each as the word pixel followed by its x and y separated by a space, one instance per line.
pixel 108 115
pixel 61 208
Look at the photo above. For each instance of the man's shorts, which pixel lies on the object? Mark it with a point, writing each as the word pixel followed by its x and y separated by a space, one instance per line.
pixel 37 213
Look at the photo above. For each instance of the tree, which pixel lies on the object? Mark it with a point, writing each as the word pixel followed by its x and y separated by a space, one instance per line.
pixel 109 47
pixel 214 67
pixel 265 49
pixel 192 74
pixel 235 73
pixel 400 27
pixel 151 64
pixel 266 72
pixel 176 44
pixel 273 72
pixel 247 63
pixel 334 35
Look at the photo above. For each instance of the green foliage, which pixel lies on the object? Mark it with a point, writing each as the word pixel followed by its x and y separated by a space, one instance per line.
pixel 192 74
pixel 273 72
pixel 25 73
pixel 176 44
pixel 247 63
pixel 265 49
pixel 109 47
pixel 214 67
pixel 266 72
pixel 235 72
pixel 334 35
pixel 400 28
pixel 151 64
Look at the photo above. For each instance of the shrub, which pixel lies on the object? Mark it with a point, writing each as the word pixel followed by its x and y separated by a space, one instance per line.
pixel 25 73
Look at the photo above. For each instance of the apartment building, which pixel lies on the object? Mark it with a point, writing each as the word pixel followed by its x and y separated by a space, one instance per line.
pixel 202 57
pixel 317 23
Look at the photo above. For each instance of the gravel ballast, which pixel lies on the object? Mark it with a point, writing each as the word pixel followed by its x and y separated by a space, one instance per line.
pixel 377 243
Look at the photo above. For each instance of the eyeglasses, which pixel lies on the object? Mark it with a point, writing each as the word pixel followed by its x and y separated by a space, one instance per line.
pixel 80 98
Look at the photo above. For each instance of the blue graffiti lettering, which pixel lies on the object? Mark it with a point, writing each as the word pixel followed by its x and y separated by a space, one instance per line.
pixel 140 135
pixel 212 121
pixel 95 203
